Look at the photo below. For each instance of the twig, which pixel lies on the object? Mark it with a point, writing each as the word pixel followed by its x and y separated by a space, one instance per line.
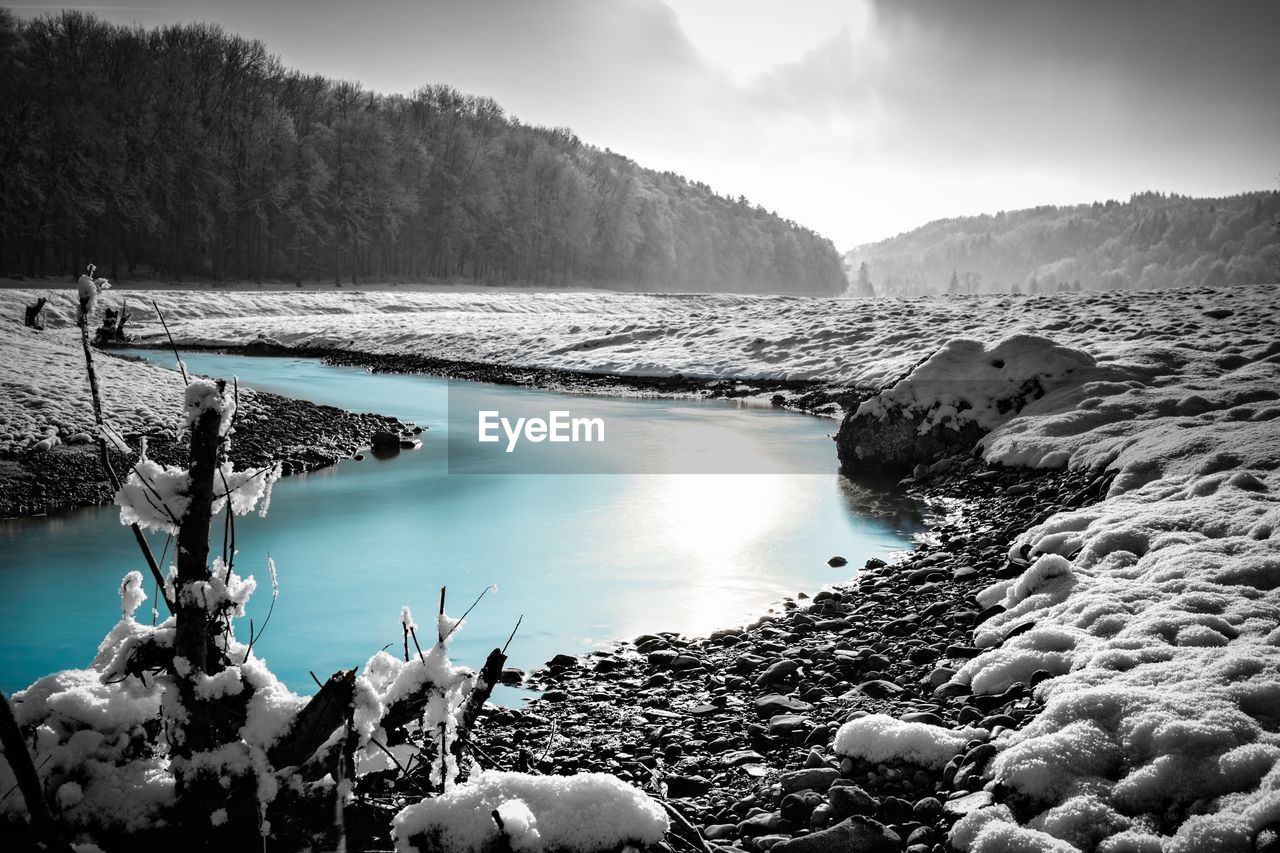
pixel 440 622
pixel 111 472
pixel 497 765
pixel 683 823
pixel 186 380
pixel 454 627
pixel 444 759
pixel 413 632
pixel 551 738
pixel 513 634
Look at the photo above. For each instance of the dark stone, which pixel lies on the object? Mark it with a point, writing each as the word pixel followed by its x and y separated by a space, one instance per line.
pixel 927 810
pixel 385 442
pixel 686 786
pixel 849 800
pixel 777 673
pixel 854 835
pixel 895 809
pixel 796 808
pixel 880 689
pixel 837 561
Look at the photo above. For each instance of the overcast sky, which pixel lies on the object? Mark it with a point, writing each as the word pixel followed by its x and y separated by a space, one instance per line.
pixel 859 119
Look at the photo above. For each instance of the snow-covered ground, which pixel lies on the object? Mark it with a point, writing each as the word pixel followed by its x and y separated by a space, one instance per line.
pixel 44 389
pixel 1156 610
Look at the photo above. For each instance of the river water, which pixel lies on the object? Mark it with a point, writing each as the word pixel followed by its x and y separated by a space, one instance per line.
pixel 586 558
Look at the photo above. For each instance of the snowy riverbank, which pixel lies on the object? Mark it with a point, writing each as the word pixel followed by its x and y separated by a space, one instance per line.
pixel 1146 623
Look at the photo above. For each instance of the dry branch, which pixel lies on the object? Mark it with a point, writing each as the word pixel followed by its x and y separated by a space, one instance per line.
pixel 111 472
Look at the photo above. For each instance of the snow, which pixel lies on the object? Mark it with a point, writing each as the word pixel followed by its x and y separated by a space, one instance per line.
pixel 879 738
pixel 966 381
pixel 1155 611
pixel 155 496
pixel 93 726
pixel 203 396
pixel 583 813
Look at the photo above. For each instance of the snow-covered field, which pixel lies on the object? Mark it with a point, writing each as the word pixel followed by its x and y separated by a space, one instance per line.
pixel 44 389
pixel 1156 610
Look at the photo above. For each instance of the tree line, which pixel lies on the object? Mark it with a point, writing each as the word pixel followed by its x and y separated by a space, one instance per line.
pixel 188 151
pixel 1153 240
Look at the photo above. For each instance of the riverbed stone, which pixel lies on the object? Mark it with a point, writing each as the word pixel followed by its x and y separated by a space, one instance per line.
pixel 814 778
pixel 778 673
pixel 854 835
pixel 772 704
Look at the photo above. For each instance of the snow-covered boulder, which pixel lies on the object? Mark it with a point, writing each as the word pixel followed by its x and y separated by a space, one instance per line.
pixel 952 399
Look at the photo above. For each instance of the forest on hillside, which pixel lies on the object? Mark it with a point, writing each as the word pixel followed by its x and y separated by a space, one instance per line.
pixel 1151 241
pixel 187 151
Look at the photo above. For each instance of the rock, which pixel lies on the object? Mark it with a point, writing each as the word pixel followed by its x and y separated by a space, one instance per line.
pixel 854 835
pixel 563 661
pixel 686 786
pixel 960 806
pixel 385 442
pixel 906 425
pixel 777 673
pixel 739 757
pixel 80 438
pixel 848 800
pixel 761 824
pixel 796 807
pixel 879 689
pixel 683 663
pixel 816 779
pixel 772 704
pixel 784 724
pixel 928 810
pixel 720 831
pixel 662 657
pixel 837 561
pixel 895 810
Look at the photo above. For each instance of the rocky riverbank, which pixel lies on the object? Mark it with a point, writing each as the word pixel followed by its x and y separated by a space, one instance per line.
pixel 737 729
pixel 802 395
pixel 302 436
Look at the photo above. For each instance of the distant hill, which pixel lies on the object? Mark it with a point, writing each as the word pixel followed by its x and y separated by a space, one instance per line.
pixel 187 151
pixel 1151 241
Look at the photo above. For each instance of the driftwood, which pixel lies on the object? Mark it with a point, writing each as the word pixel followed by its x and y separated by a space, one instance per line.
pixel 317 720
pixel 15 751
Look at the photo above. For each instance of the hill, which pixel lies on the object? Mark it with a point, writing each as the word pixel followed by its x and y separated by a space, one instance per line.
pixel 1151 241
pixel 186 151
